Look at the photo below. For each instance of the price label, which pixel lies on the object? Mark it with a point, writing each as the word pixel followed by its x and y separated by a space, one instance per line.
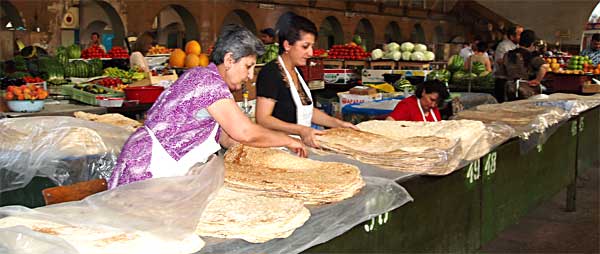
pixel 573 128
pixel 473 172
pixel 489 166
pixel 581 124
pixel 379 220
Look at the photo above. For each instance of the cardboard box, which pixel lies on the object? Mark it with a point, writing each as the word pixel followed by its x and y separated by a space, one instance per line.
pixel 339 76
pixel 591 88
pixel 376 76
pixel 347 98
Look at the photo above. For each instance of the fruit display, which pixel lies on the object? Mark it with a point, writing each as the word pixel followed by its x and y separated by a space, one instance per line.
pixel 578 62
pixel 31 80
pixel 456 63
pixel 350 51
pixel 94 51
pixel 271 53
pixel 90 88
pixel 5 82
pixel 190 58
pixel 73 51
pixel 83 69
pixel 112 83
pixel 402 84
pixel 158 50
pixel 441 75
pixel 118 52
pixel 25 92
pixel 319 53
pixel 124 76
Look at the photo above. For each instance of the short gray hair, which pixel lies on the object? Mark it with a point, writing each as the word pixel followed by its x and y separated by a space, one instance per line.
pixel 237 40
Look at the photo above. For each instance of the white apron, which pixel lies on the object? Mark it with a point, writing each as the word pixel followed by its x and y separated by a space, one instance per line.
pixel 423 113
pixel 163 165
pixel 303 112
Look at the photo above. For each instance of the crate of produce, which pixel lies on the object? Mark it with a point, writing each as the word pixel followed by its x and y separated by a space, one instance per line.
pixel 313 71
pixel 87 93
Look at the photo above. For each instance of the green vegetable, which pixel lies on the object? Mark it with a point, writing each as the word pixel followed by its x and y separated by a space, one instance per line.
pixel 271 53
pixel 477 68
pixel 74 52
pixel 456 63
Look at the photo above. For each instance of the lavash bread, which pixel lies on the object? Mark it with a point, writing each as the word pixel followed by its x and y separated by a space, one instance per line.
pixel 253 218
pixel 275 173
pixel 419 154
pixel 112 119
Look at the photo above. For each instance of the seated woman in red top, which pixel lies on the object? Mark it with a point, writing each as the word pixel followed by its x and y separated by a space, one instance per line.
pixel 423 105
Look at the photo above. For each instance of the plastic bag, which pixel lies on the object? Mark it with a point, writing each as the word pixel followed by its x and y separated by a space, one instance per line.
pixel 66 150
pixel 326 222
pixel 152 216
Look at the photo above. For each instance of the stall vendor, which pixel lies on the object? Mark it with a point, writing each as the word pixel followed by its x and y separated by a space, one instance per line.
pixel 423 106
pixel 196 113
pixel 95 41
pixel 284 100
pixel 593 51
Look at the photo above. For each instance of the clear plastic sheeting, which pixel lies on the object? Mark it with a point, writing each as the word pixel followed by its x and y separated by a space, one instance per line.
pixel 152 216
pixel 326 222
pixel 66 150
pixel 571 103
pixel 366 170
pixel 524 119
pixel 475 138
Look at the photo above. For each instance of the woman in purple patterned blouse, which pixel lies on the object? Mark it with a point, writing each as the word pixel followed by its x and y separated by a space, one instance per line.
pixel 189 120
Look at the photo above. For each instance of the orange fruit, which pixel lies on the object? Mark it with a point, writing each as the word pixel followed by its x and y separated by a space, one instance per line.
pixel 203 60
pixel 177 58
pixel 192 61
pixel 193 47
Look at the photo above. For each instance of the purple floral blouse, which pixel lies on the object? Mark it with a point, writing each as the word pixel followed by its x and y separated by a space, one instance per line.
pixel 179 119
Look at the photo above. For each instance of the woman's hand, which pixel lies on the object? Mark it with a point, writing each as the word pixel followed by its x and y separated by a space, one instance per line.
pixel 345 124
pixel 297 147
pixel 308 136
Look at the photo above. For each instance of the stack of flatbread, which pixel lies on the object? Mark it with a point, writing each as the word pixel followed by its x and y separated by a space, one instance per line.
pixel 475 138
pixel 254 218
pixel 275 173
pixel 112 119
pixel 421 154
pixel 525 119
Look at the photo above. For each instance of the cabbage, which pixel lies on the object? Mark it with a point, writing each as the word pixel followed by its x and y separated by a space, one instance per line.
pixel 420 47
pixel 392 46
pixel 396 55
pixel 407 46
pixel 417 56
pixel 406 56
pixel 376 54
pixel 429 56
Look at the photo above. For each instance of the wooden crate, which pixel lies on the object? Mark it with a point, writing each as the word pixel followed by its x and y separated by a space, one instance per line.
pixel 401 65
pixel 382 65
pixel 355 64
pixel 333 63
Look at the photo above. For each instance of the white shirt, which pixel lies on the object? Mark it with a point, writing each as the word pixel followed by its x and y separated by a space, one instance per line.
pixel 466 52
pixel 503 47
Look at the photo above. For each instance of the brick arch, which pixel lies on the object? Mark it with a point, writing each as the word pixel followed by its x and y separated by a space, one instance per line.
pixel 331 32
pixel 392 32
pixel 365 29
pixel 189 23
pixel 11 14
pixel 240 17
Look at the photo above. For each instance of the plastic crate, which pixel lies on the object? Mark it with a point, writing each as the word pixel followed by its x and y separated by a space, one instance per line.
pixel 90 98
pixel 313 71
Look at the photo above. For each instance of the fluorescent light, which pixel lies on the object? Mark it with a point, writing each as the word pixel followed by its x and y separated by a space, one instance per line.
pixel 9 25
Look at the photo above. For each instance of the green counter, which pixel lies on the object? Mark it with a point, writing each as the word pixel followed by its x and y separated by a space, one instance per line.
pixel 588 149
pixel 445 216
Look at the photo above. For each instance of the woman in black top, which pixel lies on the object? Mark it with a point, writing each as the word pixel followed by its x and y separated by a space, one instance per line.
pixel 284 100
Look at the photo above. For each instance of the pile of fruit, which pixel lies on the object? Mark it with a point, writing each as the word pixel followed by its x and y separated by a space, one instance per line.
pixel 124 76
pixel 158 50
pixel 83 69
pixel 577 62
pixel 319 53
pixel 30 80
pixel 94 51
pixel 90 88
pixel 118 52
pixel 190 58
pixel 25 92
pixel 350 51
pixel 112 83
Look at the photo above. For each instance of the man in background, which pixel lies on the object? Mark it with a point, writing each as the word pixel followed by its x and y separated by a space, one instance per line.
pixel 513 35
pixel 593 51
pixel 267 36
pixel 95 40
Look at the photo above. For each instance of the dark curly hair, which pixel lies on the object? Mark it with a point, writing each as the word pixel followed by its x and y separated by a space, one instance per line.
pixel 291 30
pixel 433 86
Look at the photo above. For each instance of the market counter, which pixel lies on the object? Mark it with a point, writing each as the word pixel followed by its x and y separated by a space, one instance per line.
pixel 59 109
pixel 588 145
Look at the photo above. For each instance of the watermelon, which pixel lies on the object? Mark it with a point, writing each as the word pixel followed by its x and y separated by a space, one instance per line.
pixel 441 75
pixel 477 68
pixel 74 52
pixel 456 63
